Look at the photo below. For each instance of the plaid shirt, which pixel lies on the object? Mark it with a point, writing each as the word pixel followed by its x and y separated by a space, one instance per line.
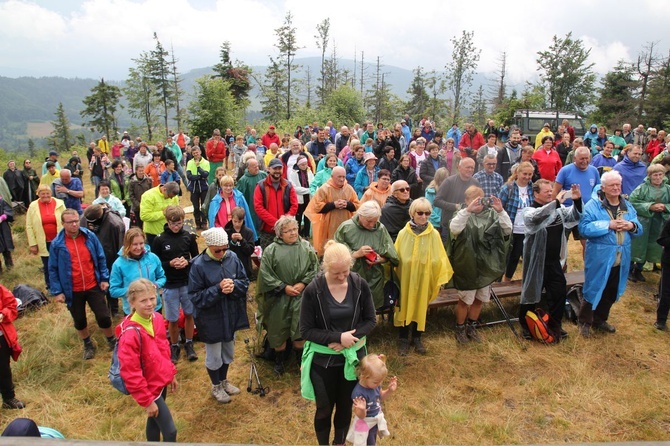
pixel 509 195
pixel 490 183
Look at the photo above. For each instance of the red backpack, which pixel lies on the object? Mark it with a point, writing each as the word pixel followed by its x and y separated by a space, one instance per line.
pixel 538 324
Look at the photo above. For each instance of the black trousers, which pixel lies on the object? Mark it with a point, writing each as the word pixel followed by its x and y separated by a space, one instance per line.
pixel 6 382
pixel 332 391
pixel 305 225
pixel 555 286
pixel 515 252
pixel 197 199
pixel 589 316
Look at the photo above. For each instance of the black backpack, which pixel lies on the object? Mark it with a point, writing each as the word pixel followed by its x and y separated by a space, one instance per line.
pixel 30 297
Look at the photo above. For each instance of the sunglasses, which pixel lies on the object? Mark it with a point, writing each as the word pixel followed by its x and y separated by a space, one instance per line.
pixel 402 189
pixel 219 251
pixel 422 213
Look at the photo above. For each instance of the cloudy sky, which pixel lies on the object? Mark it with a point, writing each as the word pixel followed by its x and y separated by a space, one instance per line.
pixel 98 38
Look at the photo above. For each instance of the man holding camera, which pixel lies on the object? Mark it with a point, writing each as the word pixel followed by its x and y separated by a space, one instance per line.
pixel 480 231
pixel 545 222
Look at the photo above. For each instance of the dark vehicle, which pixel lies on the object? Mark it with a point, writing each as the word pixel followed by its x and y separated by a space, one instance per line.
pixel 531 121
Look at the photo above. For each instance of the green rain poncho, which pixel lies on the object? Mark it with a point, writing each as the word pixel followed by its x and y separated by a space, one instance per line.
pixel 479 252
pixel 281 265
pixel 644 248
pixel 352 234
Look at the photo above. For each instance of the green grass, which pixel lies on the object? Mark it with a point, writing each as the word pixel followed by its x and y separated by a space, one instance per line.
pixel 604 389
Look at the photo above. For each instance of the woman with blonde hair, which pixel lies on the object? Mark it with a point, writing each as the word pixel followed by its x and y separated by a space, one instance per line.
pixel 144 357
pixel 43 223
pixel 336 314
pixel 221 207
pixel 515 196
pixel 135 261
pixel 423 267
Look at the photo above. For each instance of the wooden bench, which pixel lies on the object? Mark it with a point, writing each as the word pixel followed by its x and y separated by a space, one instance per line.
pixel 449 296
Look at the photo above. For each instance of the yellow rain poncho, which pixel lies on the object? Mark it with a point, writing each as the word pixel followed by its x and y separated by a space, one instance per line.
pixel 423 267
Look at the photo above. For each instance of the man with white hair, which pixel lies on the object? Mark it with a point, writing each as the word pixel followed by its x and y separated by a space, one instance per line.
pixel 608 223
pixel 580 172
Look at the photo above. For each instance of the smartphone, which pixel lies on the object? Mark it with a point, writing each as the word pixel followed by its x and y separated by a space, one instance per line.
pixel 568 195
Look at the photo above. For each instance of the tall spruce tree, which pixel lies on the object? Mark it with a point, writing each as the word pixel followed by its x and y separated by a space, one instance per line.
pixel 616 103
pixel 161 70
pixel 60 138
pixel 417 104
pixel 238 75
pixel 100 108
pixel 287 44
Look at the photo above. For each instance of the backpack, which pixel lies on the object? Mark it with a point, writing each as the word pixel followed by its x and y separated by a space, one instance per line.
pixel 29 297
pixel 573 302
pixel 115 368
pixel 538 324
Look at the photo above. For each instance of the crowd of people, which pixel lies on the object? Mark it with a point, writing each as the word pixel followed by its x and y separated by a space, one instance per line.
pixel 411 207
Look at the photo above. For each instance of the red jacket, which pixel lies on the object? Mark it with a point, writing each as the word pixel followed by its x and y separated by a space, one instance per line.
pixel 273 207
pixel 9 314
pixel 145 379
pixel 267 140
pixel 475 142
pixel 548 163
pixel 654 148
pixel 216 151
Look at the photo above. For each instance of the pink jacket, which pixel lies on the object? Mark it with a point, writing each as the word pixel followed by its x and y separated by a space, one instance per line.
pixel 145 378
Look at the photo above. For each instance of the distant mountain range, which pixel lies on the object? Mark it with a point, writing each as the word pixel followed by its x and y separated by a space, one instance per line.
pixel 28 99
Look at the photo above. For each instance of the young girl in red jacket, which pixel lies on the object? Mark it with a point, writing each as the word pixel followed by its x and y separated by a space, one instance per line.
pixel 144 357
pixel 9 348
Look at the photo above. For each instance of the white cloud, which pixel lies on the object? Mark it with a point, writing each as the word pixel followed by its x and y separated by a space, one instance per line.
pixel 98 38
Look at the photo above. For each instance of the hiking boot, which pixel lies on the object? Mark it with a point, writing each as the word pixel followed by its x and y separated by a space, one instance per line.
pixel 111 343
pixel 418 346
pixel 637 275
pixel 89 351
pixel 471 333
pixel 585 330
pixel 219 394
pixel 191 355
pixel 605 327
pixel 403 347
pixel 12 403
pixel 660 326
pixel 631 277
pixel 229 388
pixel 525 333
pixel 175 351
pixel 461 334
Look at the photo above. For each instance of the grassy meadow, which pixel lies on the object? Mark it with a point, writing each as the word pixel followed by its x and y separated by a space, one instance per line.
pixel 604 389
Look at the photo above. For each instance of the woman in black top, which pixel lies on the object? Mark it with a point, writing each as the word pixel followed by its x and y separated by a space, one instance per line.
pixel 335 316
pixel 406 172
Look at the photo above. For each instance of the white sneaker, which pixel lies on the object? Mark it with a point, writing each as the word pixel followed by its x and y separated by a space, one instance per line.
pixel 219 394
pixel 229 388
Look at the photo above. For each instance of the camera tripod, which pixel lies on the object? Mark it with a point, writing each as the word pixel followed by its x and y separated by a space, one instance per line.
pixel 253 372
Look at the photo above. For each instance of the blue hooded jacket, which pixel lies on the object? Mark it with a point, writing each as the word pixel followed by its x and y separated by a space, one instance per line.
pixel 240 201
pixel 602 247
pixel 126 270
pixel 60 263
pixel 632 174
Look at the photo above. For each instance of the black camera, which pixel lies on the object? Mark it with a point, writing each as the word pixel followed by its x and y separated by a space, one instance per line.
pixel 486 202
